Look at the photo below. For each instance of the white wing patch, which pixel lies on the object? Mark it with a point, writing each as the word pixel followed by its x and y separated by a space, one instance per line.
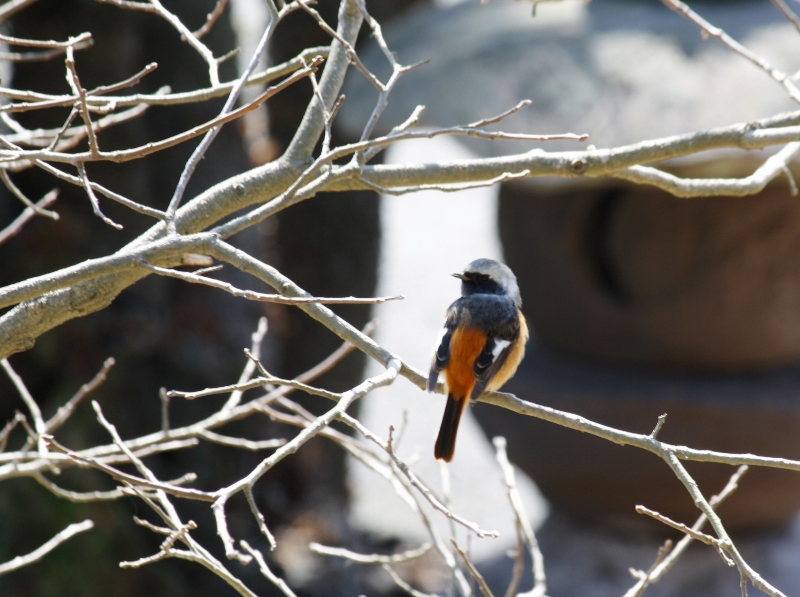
pixel 499 346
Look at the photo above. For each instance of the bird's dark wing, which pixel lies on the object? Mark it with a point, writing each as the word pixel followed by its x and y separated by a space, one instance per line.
pixel 442 354
pixel 502 332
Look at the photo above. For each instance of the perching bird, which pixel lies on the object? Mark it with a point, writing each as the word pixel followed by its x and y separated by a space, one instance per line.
pixel 482 343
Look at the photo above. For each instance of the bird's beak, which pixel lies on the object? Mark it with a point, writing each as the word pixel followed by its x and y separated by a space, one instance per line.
pixel 458 275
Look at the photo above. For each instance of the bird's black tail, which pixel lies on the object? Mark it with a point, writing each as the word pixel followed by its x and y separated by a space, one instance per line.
pixel 446 442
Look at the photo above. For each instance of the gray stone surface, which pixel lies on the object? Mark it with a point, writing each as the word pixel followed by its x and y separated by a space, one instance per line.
pixel 621 71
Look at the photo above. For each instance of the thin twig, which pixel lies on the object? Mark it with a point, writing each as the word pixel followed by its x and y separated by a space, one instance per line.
pixel 125 155
pixel 39 211
pixel 239 442
pixel 87 186
pixel 80 92
pixel 64 412
pixel 77 496
pixel 265 570
pixel 645 578
pixel 724 539
pixel 37 554
pixel 473 570
pixel 187 36
pixel 230 102
pixel 345 400
pixel 211 18
pixel 403 584
pixel 256 340
pixel 5 432
pixel 36 413
pixel 181 492
pixel 417 483
pixel 539 577
pixel 372 558
pixel 788 13
pixel 720 35
pixel 36 101
pixel 262 522
pixel 27 215
pixel 657 573
pixel 696 535
pixel 267 298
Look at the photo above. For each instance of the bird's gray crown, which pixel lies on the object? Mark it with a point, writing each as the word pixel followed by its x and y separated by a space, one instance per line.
pixel 499 272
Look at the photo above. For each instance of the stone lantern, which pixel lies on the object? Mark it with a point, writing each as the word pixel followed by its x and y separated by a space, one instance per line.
pixel 641 303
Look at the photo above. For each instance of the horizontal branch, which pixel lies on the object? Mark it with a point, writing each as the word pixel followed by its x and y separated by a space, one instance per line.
pixel 267 298
pixel 95 268
pixel 35 43
pixel 37 101
pixel 124 155
pixel 265 185
pixel 372 558
pixel 591 163
pixel 625 438
pixel 27 463
pixel 126 478
pixel 773 167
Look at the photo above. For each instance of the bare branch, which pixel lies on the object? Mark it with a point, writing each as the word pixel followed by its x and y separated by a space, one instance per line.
pixel 313 123
pixel 704 187
pixel 788 13
pixel 37 210
pixel 345 400
pixel 403 584
pixel 191 39
pixel 696 535
pixel 720 35
pixel 134 79
pixel 8 428
pixel 264 569
pixel 162 98
pixel 77 496
pixel 64 412
pixel 27 215
pixel 473 570
pixel 133 480
pixel 373 558
pixel 262 523
pixel 211 19
pixel 524 525
pixel 238 442
pixel 76 180
pixel 47 547
pixel 200 150
pixel 13 6
pixel 657 573
pixel 645 577
pixel 93 198
pixel 266 298
pixel 80 92
pixel 417 483
pixel 30 402
pixel 723 537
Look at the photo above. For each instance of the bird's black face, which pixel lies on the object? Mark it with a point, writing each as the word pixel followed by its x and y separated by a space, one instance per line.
pixel 475 283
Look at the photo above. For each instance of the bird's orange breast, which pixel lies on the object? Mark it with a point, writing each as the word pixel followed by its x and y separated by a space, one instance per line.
pixel 465 346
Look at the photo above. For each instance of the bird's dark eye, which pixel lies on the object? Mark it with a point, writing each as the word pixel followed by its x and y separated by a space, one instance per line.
pixel 480 283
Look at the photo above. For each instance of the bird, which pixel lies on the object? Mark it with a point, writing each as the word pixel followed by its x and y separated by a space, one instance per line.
pixel 481 344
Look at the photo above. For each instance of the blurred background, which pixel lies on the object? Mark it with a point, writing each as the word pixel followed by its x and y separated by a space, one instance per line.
pixel 640 303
